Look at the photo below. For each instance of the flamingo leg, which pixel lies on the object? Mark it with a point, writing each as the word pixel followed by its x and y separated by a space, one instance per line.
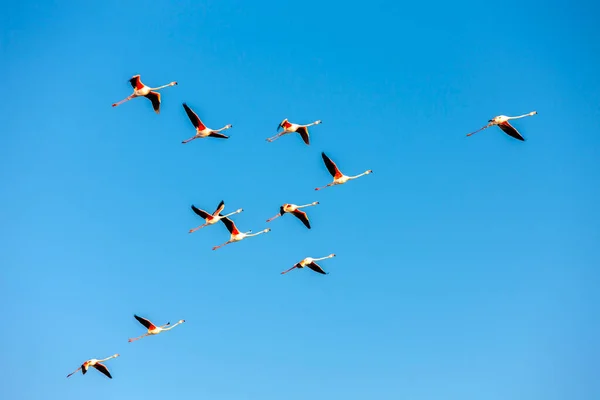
pixel 479 130
pixel 271 139
pixel 198 227
pixel 190 139
pixel 224 244
pixel 286 271
pixel 138 338
pixel 124 100
pixel 73 372
pixel 323 187
pixel 271 219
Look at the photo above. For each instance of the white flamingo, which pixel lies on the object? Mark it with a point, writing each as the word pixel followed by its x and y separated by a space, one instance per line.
pixel 96 364
pixel 236 235
pixel 338 177
pixel 214 217
pixel 502 122
pixel 291 128
pixel 310 263
pixel 295 211
pixel 153 329
pixel 201 130
pixel 141 90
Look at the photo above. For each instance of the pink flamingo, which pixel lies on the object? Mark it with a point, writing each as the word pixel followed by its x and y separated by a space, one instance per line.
pixel 295 211
pixel 141 90
pixel 310 263
pixel 502 122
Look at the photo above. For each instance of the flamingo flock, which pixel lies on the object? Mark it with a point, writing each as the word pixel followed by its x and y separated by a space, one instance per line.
pixel 235 235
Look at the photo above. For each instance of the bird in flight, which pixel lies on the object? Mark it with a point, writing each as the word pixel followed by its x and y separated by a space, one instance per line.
pixel 153 329
pixel 214 217
pixel 96 364
pixel 141 90
pixel 310 263
pixel 295 211
pixel 236 235
pixel 201 130
pixel 291 128
pixel 502 122
pixel 338 177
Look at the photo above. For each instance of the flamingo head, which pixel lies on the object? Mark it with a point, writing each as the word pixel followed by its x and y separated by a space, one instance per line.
pixel 533 113
pixel 318 122
pixel 332 255
pixel 116 355
pixel 267 230
pixel 369 172
pixel 181 321
pixel 239 210
pixel 173 83
pixel 315 203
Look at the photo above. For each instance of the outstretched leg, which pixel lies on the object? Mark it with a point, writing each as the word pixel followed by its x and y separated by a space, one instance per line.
pixel 73 372
pixel 323 187
pixel 198 227
pixel 190 139
pixel 124 100
pixel 480 129
pixel 288 270
pixel 271 139
pixel 138 338
pixel 224 244
pixel 275 217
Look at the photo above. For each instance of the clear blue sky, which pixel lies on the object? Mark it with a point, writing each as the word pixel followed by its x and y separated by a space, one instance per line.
pixel 466 268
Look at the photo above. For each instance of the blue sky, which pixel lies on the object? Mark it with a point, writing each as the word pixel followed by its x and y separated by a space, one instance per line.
pixel 466 268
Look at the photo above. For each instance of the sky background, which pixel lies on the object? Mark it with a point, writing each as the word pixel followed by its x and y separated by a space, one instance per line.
pixel 466 268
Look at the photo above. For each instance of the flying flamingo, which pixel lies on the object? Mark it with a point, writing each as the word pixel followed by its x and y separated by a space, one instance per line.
pixel 294 210
pixel 236 235
pixel 502 122
pixel 139 89
pixel 338 177
pixel 96 364
pixel 310 263
pixel 201 130
pixel 153 329
pixel 290 128
pixel 212 218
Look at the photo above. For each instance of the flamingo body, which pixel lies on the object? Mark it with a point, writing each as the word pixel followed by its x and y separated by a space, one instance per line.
pixel 502 122
pixel 95 363
pixel 211 219
pixel 295 211
pixel 338 177
pixel 234 233
pixel 153 329
pixel 142 90
pixel 289 127
pixel 202 131
pixel 310 263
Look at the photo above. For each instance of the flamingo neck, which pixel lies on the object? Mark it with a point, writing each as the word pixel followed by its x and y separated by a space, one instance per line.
pixel 524 115
pixel 161 87
pixel 171 327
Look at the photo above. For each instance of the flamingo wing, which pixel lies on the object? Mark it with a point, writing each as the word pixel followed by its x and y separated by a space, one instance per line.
pixel 510 130
pixel 303 131
pixel 136 82
pixel 102 368
pixel 220 208
pixel 200 212
pixel 331 167
pixel 149 325
pixel 218 135
pixel 301 215
pixel 84 369
pixel 194 118
pixel 154 97
pixel 230 226
pixel 315 267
